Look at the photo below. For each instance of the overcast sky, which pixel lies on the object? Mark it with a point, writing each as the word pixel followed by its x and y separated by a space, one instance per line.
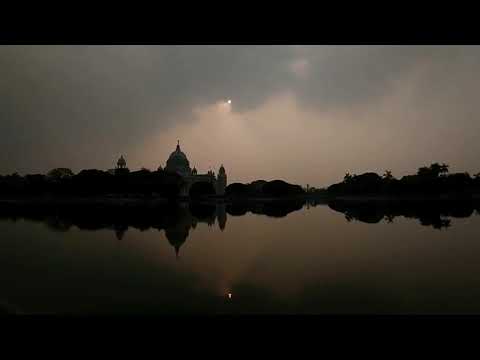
pixel 305 114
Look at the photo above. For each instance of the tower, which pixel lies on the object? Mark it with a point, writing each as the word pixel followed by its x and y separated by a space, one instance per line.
pixel 121 168
pixel 121 163
pixel 221 181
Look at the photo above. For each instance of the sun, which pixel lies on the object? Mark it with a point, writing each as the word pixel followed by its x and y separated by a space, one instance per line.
pixel 229 101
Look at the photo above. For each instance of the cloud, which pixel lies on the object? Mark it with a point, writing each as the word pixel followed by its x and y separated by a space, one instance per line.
pixel 81 106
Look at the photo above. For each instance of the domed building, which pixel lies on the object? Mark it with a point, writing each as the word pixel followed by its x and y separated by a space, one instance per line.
pixel 178 163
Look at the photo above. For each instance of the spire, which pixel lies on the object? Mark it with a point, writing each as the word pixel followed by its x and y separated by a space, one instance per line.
pixel 177 248
pixel 178 145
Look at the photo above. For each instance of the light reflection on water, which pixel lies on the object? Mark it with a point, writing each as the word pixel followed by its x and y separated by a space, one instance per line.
pixel 315 260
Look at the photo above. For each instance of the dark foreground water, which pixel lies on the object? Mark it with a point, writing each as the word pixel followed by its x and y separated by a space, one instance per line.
pixel 313 259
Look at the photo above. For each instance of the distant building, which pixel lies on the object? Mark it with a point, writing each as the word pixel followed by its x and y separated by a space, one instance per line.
pixel 178 163
pixel 121 163
pixel 121 167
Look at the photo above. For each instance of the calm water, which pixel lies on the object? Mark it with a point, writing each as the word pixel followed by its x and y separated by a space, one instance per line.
pixel 313 260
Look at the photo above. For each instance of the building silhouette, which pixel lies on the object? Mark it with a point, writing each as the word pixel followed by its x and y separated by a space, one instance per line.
pixel 178 163
pixel 121 163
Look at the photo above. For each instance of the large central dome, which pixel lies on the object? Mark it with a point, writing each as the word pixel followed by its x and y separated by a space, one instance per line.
pixel 178 162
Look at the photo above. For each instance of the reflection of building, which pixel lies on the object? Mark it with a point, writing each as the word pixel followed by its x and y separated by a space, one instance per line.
pixel 221 216
pixel 177 235
pixel 178 163
pixel 185 218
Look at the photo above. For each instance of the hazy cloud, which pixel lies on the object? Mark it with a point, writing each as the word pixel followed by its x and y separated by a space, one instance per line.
pixel 80 106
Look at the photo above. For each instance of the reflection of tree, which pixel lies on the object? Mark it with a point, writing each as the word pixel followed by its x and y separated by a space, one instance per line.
pixel 175 218
pixel 120 230
pixel 57 223
pixel 436 214
pixel 389 218
pixel 276 208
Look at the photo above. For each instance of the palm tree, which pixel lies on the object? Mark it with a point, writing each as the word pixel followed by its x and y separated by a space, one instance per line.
pixel 347 178
pixel 434 170
pixel 388 175
pixel 444 169
pixel 389 218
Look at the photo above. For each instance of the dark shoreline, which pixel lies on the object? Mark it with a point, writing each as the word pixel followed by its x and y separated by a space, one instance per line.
pixel 132 203
pixel 407 198
pixel 161 201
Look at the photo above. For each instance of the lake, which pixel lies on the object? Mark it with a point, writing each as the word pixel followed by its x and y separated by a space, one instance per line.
pixel 299 259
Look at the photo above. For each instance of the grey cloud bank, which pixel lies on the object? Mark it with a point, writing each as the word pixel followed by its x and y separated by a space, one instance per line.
pixel 80 106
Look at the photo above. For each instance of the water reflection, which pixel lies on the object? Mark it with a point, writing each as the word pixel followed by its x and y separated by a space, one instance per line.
pixel 311 261
pixel 436 214
pixel 176 219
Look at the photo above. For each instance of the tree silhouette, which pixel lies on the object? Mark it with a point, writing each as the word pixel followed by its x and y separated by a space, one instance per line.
pixel 59 174
pixel 388 175
pixel 434 170
pixel 347 178
pixel 389 218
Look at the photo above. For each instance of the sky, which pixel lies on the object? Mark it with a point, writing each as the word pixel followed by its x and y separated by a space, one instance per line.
pixel 304 114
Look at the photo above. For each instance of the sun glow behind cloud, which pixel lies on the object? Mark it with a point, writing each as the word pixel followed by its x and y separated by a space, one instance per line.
pixel 251 145
pixel 283 139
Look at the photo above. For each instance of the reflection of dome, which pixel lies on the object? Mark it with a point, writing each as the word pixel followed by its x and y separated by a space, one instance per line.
pixel 178 162
pixel 176 236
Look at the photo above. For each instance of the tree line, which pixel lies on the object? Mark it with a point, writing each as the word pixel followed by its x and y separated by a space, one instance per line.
pixel 91 182
pixel 262 189
pixel 429 180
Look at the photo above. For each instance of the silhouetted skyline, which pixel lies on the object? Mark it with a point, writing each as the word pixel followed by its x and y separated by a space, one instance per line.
pixel 302 113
